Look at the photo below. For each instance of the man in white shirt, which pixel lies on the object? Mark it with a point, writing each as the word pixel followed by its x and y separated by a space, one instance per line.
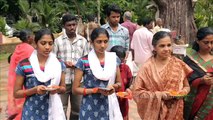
pixel 142 42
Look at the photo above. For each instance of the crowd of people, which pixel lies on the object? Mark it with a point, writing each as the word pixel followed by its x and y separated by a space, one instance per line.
pixel 90 71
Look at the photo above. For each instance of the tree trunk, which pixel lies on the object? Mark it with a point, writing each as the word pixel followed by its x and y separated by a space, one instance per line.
pixel 178 16
pixel 77 7
pixel 99 11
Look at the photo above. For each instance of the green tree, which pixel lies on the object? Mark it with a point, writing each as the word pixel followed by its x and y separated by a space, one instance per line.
pixel 138 7
pixel 26 24
pixel 25 10
pixel 49 14
pixel 4 7
pixel 12 10
pixel 2 25
pixel 25 20
pixel 141 10
pixel 204 13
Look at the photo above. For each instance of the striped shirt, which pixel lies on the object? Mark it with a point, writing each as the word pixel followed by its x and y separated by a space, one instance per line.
pixel 67 50
pixel 119 37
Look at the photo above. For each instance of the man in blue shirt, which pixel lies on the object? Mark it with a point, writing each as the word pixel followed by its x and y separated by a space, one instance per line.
pixel 119 35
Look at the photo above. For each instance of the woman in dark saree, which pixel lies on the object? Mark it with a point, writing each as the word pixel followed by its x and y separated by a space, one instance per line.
pixel 199 105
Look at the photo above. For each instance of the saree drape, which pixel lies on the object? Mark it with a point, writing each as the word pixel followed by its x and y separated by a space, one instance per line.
pixel 149 85
pixel 198 104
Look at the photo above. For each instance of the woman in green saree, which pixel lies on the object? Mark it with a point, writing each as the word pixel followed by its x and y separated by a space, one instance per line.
pixel 199 105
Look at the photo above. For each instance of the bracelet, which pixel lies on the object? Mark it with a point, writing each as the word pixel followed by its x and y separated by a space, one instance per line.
pixel 84 92
pixel 25 94
pixel 94 90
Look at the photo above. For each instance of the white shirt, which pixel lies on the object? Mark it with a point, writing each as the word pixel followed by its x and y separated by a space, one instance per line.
pixel 142 45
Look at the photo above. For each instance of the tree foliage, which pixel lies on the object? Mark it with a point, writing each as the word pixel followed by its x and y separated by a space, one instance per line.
pixel 24 6
pixel 49 12
pixel 4 5
pixel 2 25
pixel 26 24
pixel 204 13
pixel 138 7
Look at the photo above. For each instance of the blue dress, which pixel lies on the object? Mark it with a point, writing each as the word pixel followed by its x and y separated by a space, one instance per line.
pixel 35 106
pixel 93 106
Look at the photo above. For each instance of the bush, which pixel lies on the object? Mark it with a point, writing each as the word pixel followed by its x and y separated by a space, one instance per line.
pixel 2 25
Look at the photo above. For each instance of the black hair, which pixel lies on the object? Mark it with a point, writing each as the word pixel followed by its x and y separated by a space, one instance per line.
pixel 91 18
pixel 9 58
pixel 68 17
pixel 96 32
pixel 201 34
pixel 159 35
pixel 146 21
pixel 23 35
pixel 114 8
pixel 42 32
pixel 119 50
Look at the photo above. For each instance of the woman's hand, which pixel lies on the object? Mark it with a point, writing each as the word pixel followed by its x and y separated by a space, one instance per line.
pixel 103 92
pixel 41 89
pixel 56 89
pixel 108 91
pixel 69 64
pixel 207 79
pixel 166 95
pixel 129 91
pixel 184 91
pixel 111 90
pixel 125 95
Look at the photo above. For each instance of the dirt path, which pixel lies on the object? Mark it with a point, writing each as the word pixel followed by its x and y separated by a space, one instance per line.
pixel 3 90
pixel 133 115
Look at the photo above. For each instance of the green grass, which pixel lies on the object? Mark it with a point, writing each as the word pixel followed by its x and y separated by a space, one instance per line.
pixel 4 56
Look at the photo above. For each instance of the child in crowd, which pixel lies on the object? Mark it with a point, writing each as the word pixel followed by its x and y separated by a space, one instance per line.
pixel 126 78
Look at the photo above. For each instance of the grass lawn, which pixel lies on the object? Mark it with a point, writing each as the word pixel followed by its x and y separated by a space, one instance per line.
pixel 4 56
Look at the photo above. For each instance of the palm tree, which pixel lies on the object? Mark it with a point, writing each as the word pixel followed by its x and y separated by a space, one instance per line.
pixel 49 15
pixel 26 24
pixel 25 21
pixel 25 9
